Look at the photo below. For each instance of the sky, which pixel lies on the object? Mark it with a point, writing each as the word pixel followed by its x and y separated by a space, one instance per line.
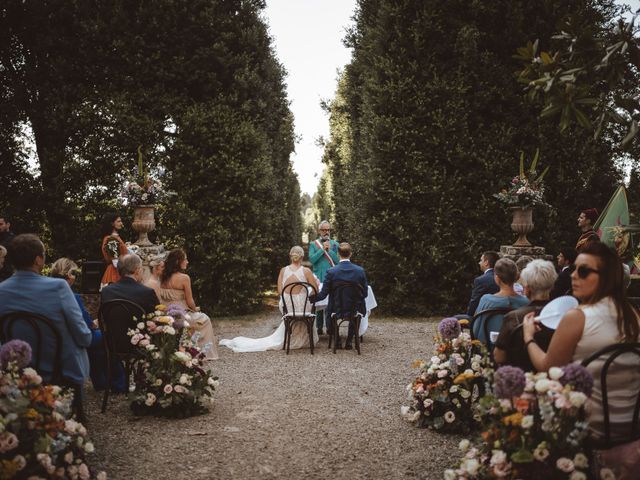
pixel 307 37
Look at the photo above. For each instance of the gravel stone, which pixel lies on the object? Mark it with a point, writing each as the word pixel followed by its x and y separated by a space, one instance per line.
pixel 324 416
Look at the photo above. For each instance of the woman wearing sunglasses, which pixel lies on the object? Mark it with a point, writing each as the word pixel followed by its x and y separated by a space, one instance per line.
pixel 67 269
pixel 605 317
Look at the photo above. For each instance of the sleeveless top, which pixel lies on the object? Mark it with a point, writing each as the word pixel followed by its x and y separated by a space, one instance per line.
pixel 298 298
pixel 623 380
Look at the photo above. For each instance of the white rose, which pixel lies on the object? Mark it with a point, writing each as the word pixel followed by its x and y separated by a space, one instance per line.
pixel 542 385
pixel 88 447
pixel 475 366
pixel 470 465
pixel 576 475
pixel 607 474
pixel 527 421
pixel 450 475
pixel 555 373
pixel 183 379
pixel 464 445
pixel 577 398
pixel 453 389
pixel 404 410
pixel 581 460
pixel 498 457
pixel 140 326
pixel 427 403
pixel 565 464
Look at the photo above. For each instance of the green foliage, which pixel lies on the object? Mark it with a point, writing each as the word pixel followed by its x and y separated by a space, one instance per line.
pixel 424 128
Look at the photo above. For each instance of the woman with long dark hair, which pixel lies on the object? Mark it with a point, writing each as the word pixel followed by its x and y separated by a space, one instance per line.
pixel 175 287
pixel 112 246
pixel 605 317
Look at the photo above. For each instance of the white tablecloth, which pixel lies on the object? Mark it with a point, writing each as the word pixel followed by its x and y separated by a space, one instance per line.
pixel 370 304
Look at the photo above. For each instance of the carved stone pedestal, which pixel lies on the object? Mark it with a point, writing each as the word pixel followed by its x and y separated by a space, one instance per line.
pixel 514 252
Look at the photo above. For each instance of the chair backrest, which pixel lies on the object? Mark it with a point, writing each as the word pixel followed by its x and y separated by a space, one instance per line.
pixel 486 315
pixel 92 272
pixel 297 307
pixel 116 317
pixel 33 328
pixel 610 354
pixel 347 299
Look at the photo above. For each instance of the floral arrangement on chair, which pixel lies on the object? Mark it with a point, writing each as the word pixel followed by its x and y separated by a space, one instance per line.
pixel 170 376
pixel 526 190
pixel 443 396
pixel 143 188
pixel 533 427
pixel 38 438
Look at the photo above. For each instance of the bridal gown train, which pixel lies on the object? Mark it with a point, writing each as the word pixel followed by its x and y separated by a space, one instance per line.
pixel 275 341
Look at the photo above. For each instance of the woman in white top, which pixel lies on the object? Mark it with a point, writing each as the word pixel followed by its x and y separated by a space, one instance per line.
pixel 605 317
pixel 294 272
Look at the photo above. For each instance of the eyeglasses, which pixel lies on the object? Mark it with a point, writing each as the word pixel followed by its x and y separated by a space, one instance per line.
pixel 325 229
pixel 583 270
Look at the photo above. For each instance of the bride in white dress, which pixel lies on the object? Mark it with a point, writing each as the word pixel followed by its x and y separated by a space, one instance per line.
pixel 292 273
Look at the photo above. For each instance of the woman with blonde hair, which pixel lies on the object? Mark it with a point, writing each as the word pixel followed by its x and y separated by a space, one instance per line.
pixel 292 273
pixel 67 269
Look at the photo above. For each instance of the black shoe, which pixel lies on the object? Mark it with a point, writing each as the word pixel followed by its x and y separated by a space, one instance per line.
pixel 320 332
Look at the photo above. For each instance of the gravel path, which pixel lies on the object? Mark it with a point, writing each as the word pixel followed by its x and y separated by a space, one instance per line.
pixel 324 416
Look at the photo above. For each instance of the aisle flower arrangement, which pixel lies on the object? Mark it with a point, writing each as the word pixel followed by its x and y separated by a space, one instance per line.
pixel 533 427
pixel 525 190
pixel 170 376
pixel 38 438
pixel 443 397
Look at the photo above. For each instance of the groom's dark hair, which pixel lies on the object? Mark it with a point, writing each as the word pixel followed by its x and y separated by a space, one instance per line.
pixel 344 250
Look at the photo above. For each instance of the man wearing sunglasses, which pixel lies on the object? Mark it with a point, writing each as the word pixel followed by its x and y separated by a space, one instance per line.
pixel 323 254
pixel 586 220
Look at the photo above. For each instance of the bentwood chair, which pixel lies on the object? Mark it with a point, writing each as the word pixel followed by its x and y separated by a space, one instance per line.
pixel 348 303
pixel 630 369
pixel 297 294
pixel 116 317
pixel 485 316
pixel 46 357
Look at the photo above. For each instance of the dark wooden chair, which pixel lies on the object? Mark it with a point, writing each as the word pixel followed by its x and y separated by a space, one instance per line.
pixel 115 318
pixel 609 355
pixel 486 316
pixel 348 302
pixel 294 316
pixel 41 327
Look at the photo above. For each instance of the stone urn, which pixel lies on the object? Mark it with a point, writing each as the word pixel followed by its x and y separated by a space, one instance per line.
pixel 143 223
pixel 522 223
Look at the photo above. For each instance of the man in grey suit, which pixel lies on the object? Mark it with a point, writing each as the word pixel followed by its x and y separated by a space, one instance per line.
pixel 129 286
pixel 28 291
pixel 484 283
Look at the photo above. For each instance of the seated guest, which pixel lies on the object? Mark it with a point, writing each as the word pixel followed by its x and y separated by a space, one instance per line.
pixel 175 287
pixel 345 271
pixel 3 254
pixel 28 291
pixel 129 286
pixel 484 283
pixel 521 264
pixel 605 317
pixel 505 273
pixel 565 258
pixel 537 279
pixel 156 264
pixel 67 270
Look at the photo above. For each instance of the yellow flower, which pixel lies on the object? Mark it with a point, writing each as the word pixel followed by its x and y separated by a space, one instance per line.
pixel 476 342
pixel 417 364
pixel 31 414
pixel 161 307
pixel 166 319
pixel 463 321
pixel 514 419
pixel 462 377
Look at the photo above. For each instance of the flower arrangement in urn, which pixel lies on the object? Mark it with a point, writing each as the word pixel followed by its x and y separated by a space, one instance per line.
pixel 38 437
pixel 142 188
pixel 533 427
pixel 170 375
pixel 450 383
pixel 525 190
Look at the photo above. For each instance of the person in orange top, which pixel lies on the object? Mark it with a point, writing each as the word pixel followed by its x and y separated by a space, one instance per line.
pixel 109 231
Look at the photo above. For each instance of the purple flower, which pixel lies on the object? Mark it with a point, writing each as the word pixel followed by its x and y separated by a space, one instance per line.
pixel 449 328
pixel 15 351
pixel 509 382
pixel 176 310
pixel 578 377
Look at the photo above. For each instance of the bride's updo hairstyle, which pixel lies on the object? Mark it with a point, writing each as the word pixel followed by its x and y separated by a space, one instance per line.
pixel 172 264
pixel 296 254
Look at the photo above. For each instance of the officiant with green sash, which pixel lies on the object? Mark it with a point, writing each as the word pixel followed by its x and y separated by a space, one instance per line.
pixel 323 254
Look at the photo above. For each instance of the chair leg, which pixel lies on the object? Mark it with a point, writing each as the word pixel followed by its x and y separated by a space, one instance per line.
pixel 336 334
pixel 284 344
pixel 310 332
pixel 356 334
pixel 105 396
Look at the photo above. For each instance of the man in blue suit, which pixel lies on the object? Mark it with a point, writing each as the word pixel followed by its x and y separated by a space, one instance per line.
pixel 28 291
pixel 485 283
pixel 129 286
pixel 345 271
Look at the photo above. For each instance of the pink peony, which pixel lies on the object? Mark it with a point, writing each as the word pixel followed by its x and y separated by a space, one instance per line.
pixel 8 441
pixel 168 389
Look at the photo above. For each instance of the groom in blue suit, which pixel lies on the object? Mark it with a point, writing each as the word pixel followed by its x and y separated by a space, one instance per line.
pixel 345 271
pixel 485 283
